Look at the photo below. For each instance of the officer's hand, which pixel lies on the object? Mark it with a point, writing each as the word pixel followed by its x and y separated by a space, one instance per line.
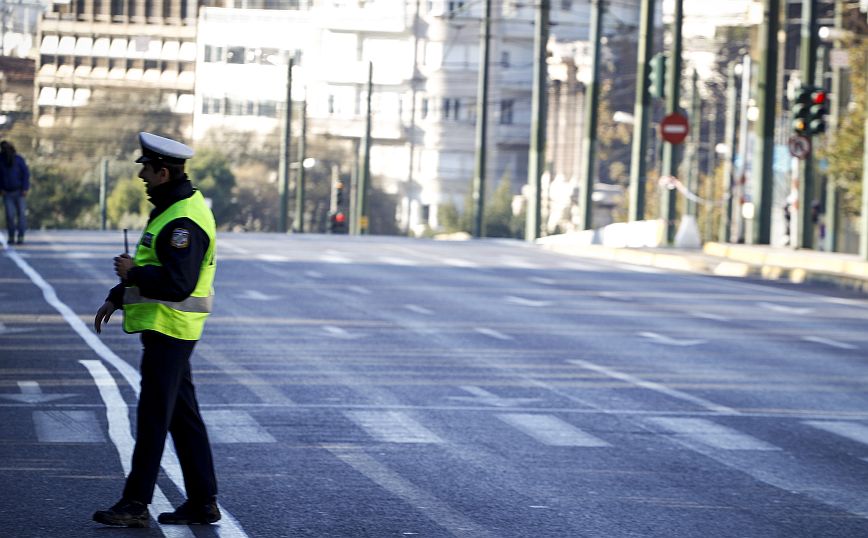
pixel 123 264
pixel 103 315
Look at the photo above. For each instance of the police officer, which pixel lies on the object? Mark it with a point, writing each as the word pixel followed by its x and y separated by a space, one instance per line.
pixel 166 294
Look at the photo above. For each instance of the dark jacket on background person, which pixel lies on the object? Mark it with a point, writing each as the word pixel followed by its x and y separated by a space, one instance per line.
pixel 14 177
pixel 176 278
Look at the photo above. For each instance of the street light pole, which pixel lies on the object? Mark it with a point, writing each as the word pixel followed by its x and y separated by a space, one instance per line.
pixel 536 156
pixel 641 113
pixel 285 137
pixel 671 153
pixel 589 142
pixel 481 126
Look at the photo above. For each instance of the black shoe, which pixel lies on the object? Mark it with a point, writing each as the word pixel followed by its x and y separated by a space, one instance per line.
pixel 124 514
pixel 20 240
pixel 192 513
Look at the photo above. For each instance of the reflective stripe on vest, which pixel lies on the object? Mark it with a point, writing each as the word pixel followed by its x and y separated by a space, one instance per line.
pixel 185 319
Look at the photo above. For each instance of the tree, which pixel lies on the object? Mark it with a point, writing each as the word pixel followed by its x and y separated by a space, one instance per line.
pixel 845 152
pixel 209 170
pixel 127 206
pixel 499 219
pixel 59 200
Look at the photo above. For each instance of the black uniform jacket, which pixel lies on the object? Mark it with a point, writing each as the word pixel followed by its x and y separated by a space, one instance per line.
pixel 176 279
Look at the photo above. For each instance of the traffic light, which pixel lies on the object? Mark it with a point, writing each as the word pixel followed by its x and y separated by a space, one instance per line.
pixel 657 76
pixel 338 222
pixel 817 113
pixel 801 110
pixel 339 193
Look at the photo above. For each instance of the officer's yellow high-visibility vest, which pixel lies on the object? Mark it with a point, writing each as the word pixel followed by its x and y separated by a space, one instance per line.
pixel 184 320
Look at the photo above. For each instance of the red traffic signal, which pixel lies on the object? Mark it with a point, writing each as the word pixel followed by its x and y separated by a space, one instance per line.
pixel 818 97
pixel 340 218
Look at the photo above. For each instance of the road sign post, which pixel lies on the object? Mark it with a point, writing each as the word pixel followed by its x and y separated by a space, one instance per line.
pixel 674 128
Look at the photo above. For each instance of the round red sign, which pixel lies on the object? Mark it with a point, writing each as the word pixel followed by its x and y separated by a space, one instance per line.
pixel 674 128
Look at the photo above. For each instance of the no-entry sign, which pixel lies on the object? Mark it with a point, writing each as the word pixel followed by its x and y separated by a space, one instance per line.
pixel 673 128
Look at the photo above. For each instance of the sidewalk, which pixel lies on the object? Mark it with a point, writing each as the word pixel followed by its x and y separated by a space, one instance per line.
pixel 733 260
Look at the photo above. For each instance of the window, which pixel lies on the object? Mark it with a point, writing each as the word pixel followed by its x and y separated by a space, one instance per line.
pixel 423 112
pixel 235 55
pixel 268 109
pixel 331 104
pixel 455 5
pixel 504 59
pixel 567 5
pixel 506 109
pixel 451 109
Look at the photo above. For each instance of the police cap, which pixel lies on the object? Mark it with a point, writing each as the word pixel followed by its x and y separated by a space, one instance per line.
pixel 158 148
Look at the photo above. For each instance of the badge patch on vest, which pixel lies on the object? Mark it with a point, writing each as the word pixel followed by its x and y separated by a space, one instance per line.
pixel 180 238
pixel 147 239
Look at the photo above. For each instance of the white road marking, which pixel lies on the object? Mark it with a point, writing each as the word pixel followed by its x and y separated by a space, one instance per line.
pixel 4 330
pixel 574 266
pixel 517 263
pixel 418 309
pixel 393 427
pixel 360 290
pixel 456 262
pixel 668 341
pixel 708 315
pixel 855 431
pixel 526 302
pixel 453 522
pixel 115 406
pixel 542 280
pixel 829 342
pixel 31 393
pixel 119 430
pixel 710 434
pixel 783 309
pixel 657 387
pixel 233 248
pixel 61 426
pixel 391 260
pixel 616 295
pixel 254 295
pixel 271 258
pixel 550 430
pixel 230 426
pixel 333 256
pixel 484 397
pixel 314 274
pixel 338 332
pixel 492 333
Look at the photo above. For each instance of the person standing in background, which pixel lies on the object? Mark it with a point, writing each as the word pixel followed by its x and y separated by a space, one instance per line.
pixel 14 184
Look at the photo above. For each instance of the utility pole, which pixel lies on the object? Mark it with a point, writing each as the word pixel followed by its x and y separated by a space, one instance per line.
pixel 641 113
pixel 285 136
pixel 741 180
pixel 103 191
pixel 729 141
pixel 763 178
pixel 863 236
pixel 536 156
pixel 808 52
pixel 711 161
pixel 481 126
pixel 839 101
pixel 298 225
pixel 695 139
pixel 365 172
pixel 589 141
pixel 673 97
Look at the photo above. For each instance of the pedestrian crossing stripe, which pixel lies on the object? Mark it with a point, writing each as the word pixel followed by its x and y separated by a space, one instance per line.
pixel 550 430
pixel 708 433
pixel 393 427
pixel 854 431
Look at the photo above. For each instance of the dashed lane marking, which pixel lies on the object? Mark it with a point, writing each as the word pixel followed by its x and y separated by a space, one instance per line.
pixel 550 430
pixel 393 427
pixel 829 342
pixel 711 434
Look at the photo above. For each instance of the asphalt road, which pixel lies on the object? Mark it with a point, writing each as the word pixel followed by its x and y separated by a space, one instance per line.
pixel 375 387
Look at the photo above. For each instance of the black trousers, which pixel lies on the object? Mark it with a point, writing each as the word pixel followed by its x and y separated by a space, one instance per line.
pixel 167 403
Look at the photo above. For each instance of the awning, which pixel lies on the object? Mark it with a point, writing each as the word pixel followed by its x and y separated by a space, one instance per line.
pixel 84 46
pixel 101 46
pixel 118 48
pixel 187 52
pixel 64 97
pixel 67 45
pixel 81 97
pixel 170 51
pixel 47 96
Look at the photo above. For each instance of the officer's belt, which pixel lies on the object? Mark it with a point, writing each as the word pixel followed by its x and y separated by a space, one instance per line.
pixel 190 304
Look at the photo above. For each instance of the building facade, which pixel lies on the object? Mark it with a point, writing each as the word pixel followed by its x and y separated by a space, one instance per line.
pixel 97 52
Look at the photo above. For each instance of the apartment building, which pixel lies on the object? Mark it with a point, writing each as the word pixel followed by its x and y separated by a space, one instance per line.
pixel 425 58
pixel 96 51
